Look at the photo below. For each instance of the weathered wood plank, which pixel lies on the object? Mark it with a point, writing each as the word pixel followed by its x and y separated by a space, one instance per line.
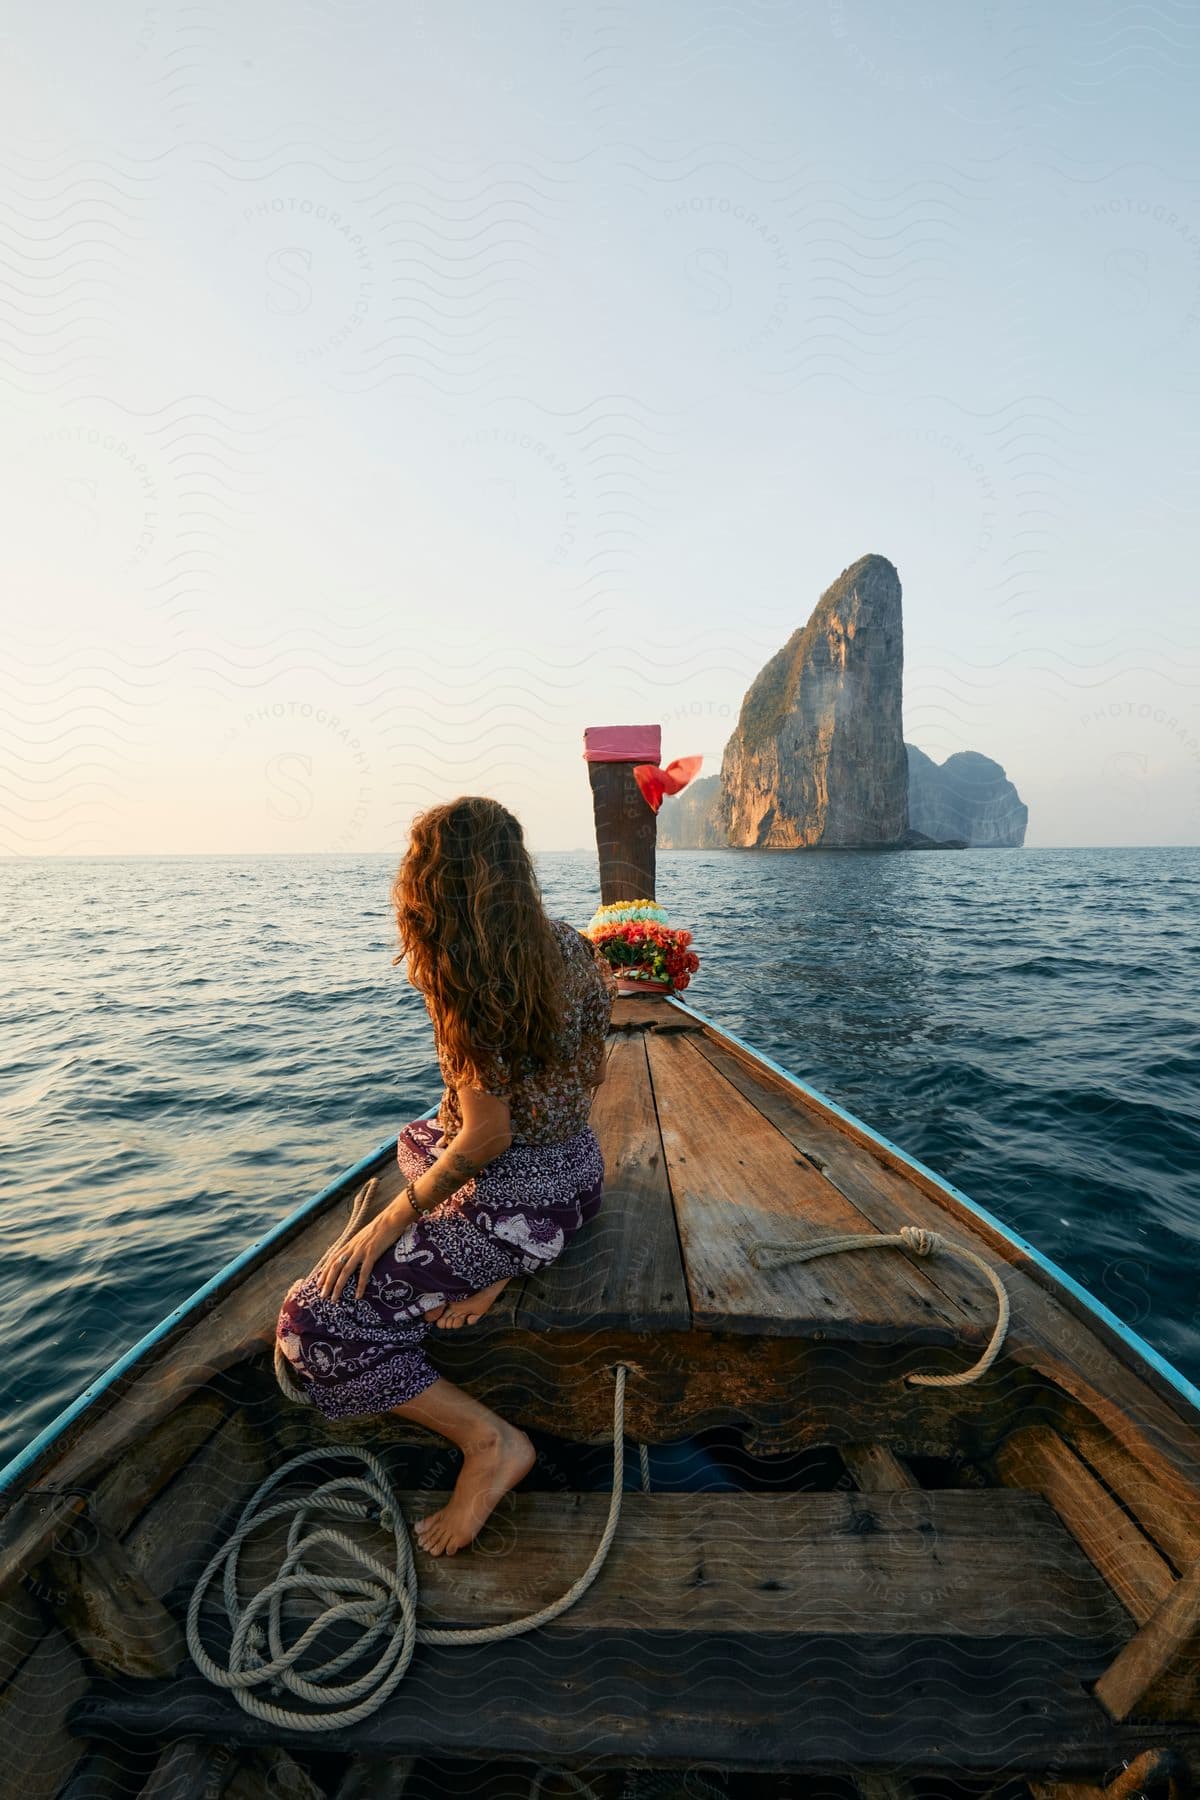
pixel 372 1780
pixel 271 1774
pixel 22 1622
pixel 879 1195
pixel 1153 1769
pixel 1157 1674
pixel 983 1563
pixel 1038 1459
pixel 681 1383
pixel 104 1605
pixel 135 1478
pixel 1165 1506
pixel 635 1014
pixel 188 1770
pixel 176 1534
pixel 1051 1332
pixel 39 1752
pixel 876 1469
pixel 626 831
pixel 776 1702
pixel 113 1498
pixel 737 1182
pixel 625 1268
pixel 103 1774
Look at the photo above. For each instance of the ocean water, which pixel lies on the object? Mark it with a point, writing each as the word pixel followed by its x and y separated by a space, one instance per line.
pixel 192 1046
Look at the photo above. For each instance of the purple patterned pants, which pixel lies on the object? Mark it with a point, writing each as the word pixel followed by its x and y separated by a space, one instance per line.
pixel 515 1217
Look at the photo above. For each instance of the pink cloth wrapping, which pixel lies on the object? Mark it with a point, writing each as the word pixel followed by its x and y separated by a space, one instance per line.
pixel 622 743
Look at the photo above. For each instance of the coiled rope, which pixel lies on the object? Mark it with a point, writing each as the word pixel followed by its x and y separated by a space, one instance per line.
pixel 922 1243
pixel 382 1600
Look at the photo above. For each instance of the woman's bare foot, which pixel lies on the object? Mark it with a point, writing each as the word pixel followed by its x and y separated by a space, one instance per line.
pixel 469 1310
pixel 491 1467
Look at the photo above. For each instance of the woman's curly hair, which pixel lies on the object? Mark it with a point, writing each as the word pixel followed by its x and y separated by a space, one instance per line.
pixel 479 943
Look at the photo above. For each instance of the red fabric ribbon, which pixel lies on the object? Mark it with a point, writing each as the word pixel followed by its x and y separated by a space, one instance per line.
pixel 655 782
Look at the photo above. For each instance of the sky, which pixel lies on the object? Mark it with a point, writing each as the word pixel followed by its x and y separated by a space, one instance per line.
pixel 391 391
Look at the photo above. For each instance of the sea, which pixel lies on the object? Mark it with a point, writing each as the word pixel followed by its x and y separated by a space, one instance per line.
pixel 192 1046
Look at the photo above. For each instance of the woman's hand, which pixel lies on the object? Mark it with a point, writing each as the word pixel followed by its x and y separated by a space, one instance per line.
pixel 361 1253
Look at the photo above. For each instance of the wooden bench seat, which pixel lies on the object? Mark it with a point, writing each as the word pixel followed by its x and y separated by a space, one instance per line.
pixel 963 1563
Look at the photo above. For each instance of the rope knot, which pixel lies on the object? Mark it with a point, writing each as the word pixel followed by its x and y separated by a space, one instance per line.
pixel 920 1241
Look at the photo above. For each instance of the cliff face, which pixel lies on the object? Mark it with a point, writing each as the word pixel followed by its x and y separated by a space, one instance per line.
pixel 817 759
pixel 968 797
pixel 688 821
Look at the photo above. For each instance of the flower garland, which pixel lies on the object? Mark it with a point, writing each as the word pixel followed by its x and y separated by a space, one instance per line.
pixel 619 912
pixel 634 938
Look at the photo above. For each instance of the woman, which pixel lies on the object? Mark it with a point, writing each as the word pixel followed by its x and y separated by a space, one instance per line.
pixel 499 1184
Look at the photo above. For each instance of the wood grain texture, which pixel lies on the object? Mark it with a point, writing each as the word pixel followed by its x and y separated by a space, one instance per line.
pixel 1051 1332
pixel 880 1195
pixel 776 1702
pixel 625 1268
pixel 1157 1674
pixel 876 1469
pixel 1166 1507
pixel 178 1532
pixel 738 1182
pixel 107 1609
pixel 39 1751
pixel 1038 1459
pixel 978 1564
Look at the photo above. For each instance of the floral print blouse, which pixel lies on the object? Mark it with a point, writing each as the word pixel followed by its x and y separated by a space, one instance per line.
pixel 550 1104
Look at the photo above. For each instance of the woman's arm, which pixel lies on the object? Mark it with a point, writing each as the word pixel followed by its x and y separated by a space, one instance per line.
pixel 486 1133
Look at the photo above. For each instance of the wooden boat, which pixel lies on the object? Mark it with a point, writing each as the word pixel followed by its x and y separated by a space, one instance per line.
pixel 839 1582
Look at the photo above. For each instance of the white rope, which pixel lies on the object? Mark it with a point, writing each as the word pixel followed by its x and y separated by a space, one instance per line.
pixel 922 1243
pixel 382 1600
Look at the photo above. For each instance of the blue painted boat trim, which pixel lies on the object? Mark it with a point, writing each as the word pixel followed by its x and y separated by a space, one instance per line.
pixel 13 1471
pixel 1096 1307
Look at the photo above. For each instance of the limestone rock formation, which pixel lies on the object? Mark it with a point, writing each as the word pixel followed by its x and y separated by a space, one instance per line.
pixel 968 797
pixel 817 758
pixel 688 821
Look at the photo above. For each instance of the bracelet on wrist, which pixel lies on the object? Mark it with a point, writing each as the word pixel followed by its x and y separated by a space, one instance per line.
pixel 410 1194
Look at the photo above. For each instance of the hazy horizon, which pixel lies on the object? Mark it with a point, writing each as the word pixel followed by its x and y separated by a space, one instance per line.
pixel 389 397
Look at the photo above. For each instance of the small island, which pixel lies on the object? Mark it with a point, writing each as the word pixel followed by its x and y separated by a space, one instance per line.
pixel 818 760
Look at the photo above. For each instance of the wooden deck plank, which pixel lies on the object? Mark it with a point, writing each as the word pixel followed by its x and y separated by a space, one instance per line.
pixel 626 1269
pixel 978 1563
pixel 880 1195
pixel 176 1532
pixel 737 1182
pixel 1157 1673
pixel 1168 1512
pixel 795 1703
pixel 1051 1332
pixel 39 1752
pixel 1037 1458
pixel 635 1014
pixel 876 1469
